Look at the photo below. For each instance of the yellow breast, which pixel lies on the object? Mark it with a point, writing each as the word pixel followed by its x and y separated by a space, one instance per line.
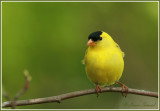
pixel 104 66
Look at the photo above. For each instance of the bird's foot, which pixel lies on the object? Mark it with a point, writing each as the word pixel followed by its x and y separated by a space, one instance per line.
pixel 123 87
pixel 98 89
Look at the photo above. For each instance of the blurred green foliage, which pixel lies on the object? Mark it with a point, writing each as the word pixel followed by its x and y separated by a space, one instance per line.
pixel 49 40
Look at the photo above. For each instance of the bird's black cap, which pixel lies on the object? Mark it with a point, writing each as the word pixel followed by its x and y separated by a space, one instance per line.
pixel 95 36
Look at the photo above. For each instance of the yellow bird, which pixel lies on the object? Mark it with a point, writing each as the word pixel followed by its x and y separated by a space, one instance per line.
pixel 103 61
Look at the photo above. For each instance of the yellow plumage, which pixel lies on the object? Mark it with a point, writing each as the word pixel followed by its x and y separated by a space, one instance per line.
pixel 104 60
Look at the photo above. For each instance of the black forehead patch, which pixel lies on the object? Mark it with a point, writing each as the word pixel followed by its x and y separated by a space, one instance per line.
pixel 95 36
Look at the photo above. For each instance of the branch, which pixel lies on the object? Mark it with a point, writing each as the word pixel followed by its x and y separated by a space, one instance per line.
pixel 59 98
pixel 21 92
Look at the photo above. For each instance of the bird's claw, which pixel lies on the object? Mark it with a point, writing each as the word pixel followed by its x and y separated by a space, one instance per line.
pixel 126 90
pixel 98 89
pixel 124 87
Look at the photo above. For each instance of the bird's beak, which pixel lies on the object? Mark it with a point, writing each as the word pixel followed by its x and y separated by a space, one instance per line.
pixel 91 43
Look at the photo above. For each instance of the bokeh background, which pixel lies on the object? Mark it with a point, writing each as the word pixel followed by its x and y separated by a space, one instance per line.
pixel 49 40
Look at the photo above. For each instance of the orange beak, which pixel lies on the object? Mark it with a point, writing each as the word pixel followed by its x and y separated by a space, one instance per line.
pixel 91 43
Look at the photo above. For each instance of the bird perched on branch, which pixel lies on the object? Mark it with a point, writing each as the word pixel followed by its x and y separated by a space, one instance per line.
pixel 103 61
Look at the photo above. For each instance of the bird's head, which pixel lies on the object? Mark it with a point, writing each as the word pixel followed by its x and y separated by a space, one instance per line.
pixel 99 38
pixel 95 38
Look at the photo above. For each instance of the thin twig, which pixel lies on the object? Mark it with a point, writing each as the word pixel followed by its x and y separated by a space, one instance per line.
pixel 7 97
pixel 21 92
pixel 59 98
pixel 26 85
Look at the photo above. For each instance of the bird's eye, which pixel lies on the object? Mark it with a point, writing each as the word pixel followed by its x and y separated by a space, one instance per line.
pixel 100 38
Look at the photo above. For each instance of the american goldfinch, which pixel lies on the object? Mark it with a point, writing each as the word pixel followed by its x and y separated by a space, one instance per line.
pixel 103 61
